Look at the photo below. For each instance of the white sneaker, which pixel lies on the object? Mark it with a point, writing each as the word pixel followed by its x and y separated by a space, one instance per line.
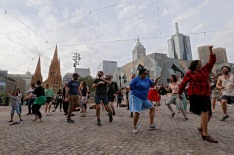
pixel 153 127
pixel 230 105
pixel 134 130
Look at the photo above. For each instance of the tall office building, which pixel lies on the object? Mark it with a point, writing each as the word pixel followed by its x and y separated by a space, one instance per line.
pixel 179 46
pixel 108 67
pixel 204 54
pixel 139 51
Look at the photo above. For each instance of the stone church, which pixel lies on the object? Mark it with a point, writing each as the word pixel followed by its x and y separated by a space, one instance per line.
pixel 54 76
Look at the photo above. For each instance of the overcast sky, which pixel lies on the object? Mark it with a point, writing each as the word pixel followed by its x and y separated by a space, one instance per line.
pixel 29 28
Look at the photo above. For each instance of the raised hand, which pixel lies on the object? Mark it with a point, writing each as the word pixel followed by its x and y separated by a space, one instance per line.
pixel 210 48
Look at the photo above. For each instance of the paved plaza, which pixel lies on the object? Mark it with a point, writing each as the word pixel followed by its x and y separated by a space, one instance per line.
pixel 56 136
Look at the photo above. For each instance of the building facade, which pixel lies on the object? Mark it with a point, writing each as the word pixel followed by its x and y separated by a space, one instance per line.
pixel 179 46
pixel 3 80
pixel 19 83
pixel 108 67
pixel 204 54
pixel 159 64
pixel 139 51
pixel 67 77
pixel 27 77
pixel 83 72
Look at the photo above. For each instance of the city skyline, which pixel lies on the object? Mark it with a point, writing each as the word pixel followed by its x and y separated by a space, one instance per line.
pixel 32 28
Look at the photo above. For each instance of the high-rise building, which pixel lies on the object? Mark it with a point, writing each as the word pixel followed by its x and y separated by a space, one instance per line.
pixel 83 72
pixel 139 51
pixel 54 76
pixel 37 75
pixel 108 67
pixel 204 54
pixel 179 46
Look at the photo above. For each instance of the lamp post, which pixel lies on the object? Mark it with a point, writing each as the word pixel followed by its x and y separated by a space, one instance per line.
pixel 120 81
pixel 76 58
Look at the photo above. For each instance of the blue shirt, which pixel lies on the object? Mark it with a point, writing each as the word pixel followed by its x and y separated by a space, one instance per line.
pixel 73 87
pixel 140 87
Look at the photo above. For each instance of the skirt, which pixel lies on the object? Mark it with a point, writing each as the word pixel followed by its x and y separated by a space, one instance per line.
pixel 153 95
pixel 200 104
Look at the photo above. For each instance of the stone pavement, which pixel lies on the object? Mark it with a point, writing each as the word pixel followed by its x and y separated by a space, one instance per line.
pixel 55 136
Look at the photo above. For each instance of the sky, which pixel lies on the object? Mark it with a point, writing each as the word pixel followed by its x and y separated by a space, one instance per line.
pixel 105 30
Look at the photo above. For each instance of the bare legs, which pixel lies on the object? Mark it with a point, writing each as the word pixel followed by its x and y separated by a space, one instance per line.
pixel 137 115
pixel 213 102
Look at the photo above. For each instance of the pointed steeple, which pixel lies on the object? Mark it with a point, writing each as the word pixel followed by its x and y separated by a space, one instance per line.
pixel 38 68
pixel 55 57
pixel 37 75
pixel 58 71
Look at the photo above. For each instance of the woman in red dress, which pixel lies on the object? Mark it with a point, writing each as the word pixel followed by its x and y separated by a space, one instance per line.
pixel 153 95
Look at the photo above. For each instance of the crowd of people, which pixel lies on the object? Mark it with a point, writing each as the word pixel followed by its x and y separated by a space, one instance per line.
pixel 196 88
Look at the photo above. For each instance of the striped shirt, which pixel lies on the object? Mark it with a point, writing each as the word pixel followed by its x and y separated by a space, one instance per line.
pixel 198 82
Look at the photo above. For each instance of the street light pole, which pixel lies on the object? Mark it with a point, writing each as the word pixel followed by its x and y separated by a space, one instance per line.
pixel 120 81
pixel 76 58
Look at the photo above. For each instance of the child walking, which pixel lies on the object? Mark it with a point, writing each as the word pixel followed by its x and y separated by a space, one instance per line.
pixel 15 101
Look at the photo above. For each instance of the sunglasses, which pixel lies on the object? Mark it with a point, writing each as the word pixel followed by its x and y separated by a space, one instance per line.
pixel 145 73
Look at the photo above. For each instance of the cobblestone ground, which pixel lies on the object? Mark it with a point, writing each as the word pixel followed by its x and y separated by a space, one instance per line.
pixel 56 136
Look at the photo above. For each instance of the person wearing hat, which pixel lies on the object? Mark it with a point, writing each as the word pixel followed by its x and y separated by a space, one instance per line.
pixel 72 95
pixel 226 84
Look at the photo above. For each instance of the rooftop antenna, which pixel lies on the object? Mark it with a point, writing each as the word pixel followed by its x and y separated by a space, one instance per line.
pixel 176 25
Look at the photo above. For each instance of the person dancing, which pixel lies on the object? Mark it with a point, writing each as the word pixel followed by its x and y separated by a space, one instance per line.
pixel 199 92
pixel 139 87
pixel 174 98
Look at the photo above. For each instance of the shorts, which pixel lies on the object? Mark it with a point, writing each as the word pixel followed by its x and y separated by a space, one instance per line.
pixel 215 94
pixel 15 108
pixel 111 98
pixel 83 101
pixel 138 105
pixel 103 98
pixel 48 99
pixel 230 99
pixel 200 104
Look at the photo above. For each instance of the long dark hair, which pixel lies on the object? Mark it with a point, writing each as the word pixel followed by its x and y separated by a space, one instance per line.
pixel 84 85
pixel 174 78
pixel 141 71
pixel 193 65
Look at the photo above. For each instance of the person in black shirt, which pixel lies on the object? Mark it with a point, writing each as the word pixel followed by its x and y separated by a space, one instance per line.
pixel 41 99
pixel 101 95
pixel 111 93
pixel 59 100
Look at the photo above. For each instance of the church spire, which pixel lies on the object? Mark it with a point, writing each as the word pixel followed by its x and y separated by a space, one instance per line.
pixel 55 57
pixel 38 68
pixel 58 71
pixel 37 75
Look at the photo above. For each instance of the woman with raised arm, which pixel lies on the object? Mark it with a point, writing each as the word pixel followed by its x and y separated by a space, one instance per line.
pixel 199 92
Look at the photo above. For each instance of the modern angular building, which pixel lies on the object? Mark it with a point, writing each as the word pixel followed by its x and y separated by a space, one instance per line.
pixel 179 46
pixel 204 54
pixel 159 64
